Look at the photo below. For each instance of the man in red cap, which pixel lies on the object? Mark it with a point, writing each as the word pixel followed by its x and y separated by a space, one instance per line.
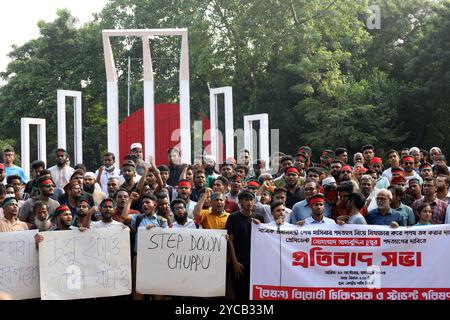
pixel 408 166
pixel 317 205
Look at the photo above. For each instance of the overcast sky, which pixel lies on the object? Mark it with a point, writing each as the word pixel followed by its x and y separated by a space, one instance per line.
pixel 18 19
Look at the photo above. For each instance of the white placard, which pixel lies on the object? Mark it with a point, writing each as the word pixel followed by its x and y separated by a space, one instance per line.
pixel 19 264
pixel 181 262
pixel 77 265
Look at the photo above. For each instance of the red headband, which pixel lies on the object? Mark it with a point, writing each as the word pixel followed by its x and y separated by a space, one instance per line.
pixel 361 170
pixel 406 158
pixel 291 169
pixel 346 168
pixel 62 209
pixel 47 181
pixel 184 184
pixel 316 200
pixel 253 184
pixel 376 160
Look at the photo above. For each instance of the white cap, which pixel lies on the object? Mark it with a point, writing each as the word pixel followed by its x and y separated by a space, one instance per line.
pixel 328 180
pixel 209 158
pixel 136 145
pixel 90 174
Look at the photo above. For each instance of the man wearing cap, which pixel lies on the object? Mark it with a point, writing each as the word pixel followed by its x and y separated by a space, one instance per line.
pixel 10 221
pixel 408 166
pixel 394 162
pixel 327 157
pixel 46 189
pixel 91 187
pixel 9 155
pixel 317 206
pixel 346 174
pixel 106 171
pixel 210 169
pixel 307 152
pixel 415 153
pixel 107 209
pixel 383 214
pixel 137 151
pixel 239 227
pixel 61 172
pixel 184 188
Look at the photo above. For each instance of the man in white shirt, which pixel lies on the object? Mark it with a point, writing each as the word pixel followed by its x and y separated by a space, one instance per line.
pixel 107 208
pixel 61 172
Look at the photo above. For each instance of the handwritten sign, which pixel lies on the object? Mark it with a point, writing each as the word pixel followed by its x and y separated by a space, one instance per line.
pixel 19 264
pixel 184 262
pixel 77 265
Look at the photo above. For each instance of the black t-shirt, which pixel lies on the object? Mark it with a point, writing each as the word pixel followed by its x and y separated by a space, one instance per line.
pixel 293 198
pixel 240 226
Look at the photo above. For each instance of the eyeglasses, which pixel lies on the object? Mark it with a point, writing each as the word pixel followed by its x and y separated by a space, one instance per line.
pixel 178 208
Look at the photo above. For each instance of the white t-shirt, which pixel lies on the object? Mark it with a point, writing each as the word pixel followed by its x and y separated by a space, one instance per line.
pixel 190 224
pixel 101 224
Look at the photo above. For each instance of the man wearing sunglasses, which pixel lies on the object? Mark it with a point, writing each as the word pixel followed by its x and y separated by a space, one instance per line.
pixel 46 189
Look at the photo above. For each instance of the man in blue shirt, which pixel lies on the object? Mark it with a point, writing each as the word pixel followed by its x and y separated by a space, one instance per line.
pixel 317 204
pixel 9 155
pixel 302 210
pixel 383 214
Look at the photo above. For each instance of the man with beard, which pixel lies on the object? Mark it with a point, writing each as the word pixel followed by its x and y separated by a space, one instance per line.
pixel 210 170
pixel 90 186
pixel 317 205
pixel 180 215
pixel 346 174
pixel 442 184
pixel 184 191
pixel 37 170
pixel 107 171
pixel 239 227
pixel 113 186
pixel 408 166
pixel 335 169
pixel 175 168
pixel 136 150
pixel 107 209
pixel 61 172
pixel 73 195
pixel 295 193
pixel 199 183
pixel 46 189
pixel 163 207
pixel 10 221
pixel 214 218
pixel 84 214
pixel 227 170
pixel 41 216
pixel 415 189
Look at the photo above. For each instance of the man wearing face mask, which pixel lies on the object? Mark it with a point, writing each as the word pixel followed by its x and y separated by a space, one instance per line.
pixel 106 171
pixel 61 172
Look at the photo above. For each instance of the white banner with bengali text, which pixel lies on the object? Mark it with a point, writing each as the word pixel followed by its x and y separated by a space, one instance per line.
pixel 181 262
pixel 350 262
pixel 78 265
pixel 19 264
